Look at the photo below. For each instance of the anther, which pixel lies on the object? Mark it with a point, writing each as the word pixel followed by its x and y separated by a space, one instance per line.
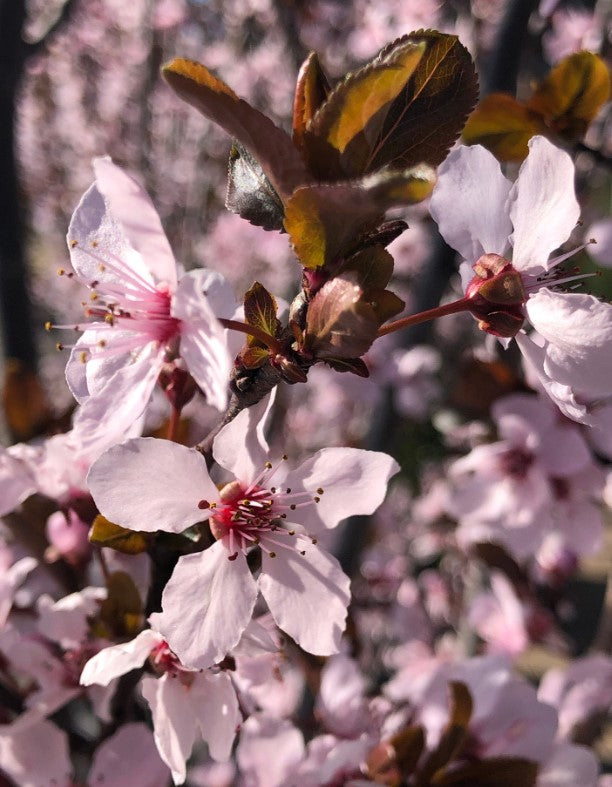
pixel 233 557
pixel 203 504
pixel 292 506
pixel 320 491
pixel 272 554
pixel 93 296
pixel 61 272
pixel 268 465
pixel 314 540
pixel 59 346
pixel 94 244
pixel 291 532
pixel 317 499
pixel 102 343
pixel 109 319
pixel 83 356
pixel 273 490
pixel 73 243
pixel 302 552
pixel 48 325
pixel 283 516
pixel 288 490
pixel 284 457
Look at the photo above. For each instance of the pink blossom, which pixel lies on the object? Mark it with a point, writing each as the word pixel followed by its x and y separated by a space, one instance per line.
pixel 185 703
pixel 303 585
pixel 145 313
pixel 499 617
pixel 483 216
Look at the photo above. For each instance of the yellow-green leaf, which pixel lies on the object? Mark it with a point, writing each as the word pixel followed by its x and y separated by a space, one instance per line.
pixel 260 310
pixel 107 534
pixel 325 221
pixel 572 94
pixel 504 126
pixel 270 145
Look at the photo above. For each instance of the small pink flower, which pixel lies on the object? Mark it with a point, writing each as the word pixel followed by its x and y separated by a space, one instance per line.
pixel 148 484
pixel 485 217
pixel 144 313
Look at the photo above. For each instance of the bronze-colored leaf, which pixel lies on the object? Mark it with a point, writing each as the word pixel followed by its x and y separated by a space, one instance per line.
pixel 572 94
pixel 355 112
pixel 339 323
pixel 260 310
pixel 270 145
pixel 428 115
pixel 107 534
pixel 249 191
pixel 373 267
pixel 24 402
pixel 254 357
pixel 386 304
pixel 453 736
pixel 352 365
pixel 494 772
pixel 311 90
pixel 504 126
pixel 408 744
pixel 325 221
pixel 121 611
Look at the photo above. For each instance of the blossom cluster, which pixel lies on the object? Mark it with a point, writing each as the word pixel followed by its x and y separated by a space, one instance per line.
pixel 275 540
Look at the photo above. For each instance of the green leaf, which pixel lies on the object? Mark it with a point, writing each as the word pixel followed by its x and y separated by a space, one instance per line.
pixel 107 534
pixel 270 145
pixel 325 221
pixel 572 94
pixel 339 324
pixel 260 311
pixel 504 126
pixel 250 193
pixel 311 90
pixel 429 114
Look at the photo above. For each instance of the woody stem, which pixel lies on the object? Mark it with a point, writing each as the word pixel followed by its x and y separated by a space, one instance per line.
pixel 462 305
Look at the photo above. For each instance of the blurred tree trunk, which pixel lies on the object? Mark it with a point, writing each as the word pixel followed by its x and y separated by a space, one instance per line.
pixel 15 308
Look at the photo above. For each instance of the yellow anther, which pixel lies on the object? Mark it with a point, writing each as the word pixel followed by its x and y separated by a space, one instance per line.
pixel 93 296
pixel 73 243
pixel 284 457
pixel 83 356
pixel 48 325
pixel 59 346
pixel 61 272
pixel 268 465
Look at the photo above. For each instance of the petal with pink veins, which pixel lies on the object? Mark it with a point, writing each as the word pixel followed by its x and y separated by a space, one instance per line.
pixel 308 596
pixel 149 484
pixel 206 605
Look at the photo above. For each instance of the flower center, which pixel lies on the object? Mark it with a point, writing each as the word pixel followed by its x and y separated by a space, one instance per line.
pixel 130 304
pixel 255 514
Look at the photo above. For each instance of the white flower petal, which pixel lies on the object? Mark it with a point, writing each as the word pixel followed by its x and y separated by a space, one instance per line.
pixel 215 707
pixel 354 482
pixel 578 331
pixel 308 596
pixel 203 339
pixel 206 605
pixel 544 209
pixel 116 660
pixel 241 446
pixel 173 722
pixel 129 758
pixel 469 203
pixel 150 484
pixel 131 207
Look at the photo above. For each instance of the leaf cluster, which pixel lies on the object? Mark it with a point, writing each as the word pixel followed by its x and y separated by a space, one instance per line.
pixel 357 149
